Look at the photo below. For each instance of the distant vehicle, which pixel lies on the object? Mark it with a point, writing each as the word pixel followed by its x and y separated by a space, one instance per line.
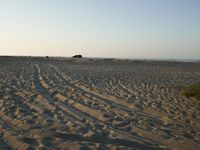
pixel 77 56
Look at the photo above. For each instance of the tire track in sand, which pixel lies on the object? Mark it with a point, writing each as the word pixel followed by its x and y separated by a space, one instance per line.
pixel 118 132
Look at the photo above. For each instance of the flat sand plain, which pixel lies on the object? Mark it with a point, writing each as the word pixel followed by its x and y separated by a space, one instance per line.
pixel 65 103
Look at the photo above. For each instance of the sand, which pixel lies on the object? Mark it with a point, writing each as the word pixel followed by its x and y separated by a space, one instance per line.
pixel 72 103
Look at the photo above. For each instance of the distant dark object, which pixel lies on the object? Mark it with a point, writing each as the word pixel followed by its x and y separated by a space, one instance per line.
pixel 47 56
pixel 77 56
pixel 108 59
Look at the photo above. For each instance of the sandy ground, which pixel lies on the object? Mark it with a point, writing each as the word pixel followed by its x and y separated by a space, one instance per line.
pixel 59 103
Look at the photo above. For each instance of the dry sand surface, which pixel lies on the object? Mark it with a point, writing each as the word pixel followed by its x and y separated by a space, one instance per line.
pixel 65 103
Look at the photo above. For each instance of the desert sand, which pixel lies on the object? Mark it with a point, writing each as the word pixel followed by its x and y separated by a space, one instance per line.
pixel 79 103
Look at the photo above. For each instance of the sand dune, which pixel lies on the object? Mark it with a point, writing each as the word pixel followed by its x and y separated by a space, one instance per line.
pixel 97 104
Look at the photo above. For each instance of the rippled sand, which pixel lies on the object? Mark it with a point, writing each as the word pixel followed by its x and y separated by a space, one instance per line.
pixel 64 103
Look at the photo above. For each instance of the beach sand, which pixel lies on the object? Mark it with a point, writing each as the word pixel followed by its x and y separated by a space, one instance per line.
pixel 79 103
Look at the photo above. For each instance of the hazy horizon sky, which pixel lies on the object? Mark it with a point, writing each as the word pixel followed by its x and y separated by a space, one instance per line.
pixel 101 28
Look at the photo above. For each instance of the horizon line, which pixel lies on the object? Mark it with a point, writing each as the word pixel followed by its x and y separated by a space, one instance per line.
pixel 121 58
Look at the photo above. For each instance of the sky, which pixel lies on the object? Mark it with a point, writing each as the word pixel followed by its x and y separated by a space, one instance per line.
pixel 164 29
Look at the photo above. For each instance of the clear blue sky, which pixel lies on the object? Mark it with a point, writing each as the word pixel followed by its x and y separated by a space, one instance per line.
pixel 101 28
